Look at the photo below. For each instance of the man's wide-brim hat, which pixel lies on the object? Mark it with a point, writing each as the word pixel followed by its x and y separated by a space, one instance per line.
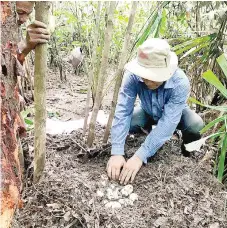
pixel 154 61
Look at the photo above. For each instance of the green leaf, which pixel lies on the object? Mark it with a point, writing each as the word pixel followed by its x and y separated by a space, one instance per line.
pixel 180 48
pixel 221 163
pixel 222 63
pixel 213 80
pixel 192 51
pixel 212 123
pixel 163 23
pixel 156 26
pixel 215 135
pixel 221 130
pixel 28 121
pixel 219 108
pixel 149 26
pixel 147 31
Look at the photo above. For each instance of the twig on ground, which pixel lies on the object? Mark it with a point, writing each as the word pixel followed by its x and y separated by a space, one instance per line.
pixel 79 145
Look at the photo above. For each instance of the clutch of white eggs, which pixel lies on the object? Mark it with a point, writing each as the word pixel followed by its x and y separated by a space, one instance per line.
pixel 115 196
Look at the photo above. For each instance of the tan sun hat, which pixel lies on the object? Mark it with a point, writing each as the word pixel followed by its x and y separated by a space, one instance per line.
pixel 154 61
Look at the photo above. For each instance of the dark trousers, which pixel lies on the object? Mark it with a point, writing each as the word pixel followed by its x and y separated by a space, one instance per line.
pixel 190 125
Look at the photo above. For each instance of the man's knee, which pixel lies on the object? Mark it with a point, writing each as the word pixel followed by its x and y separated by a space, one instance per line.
pixel 191 132
pixel 196 124
pixel 190 122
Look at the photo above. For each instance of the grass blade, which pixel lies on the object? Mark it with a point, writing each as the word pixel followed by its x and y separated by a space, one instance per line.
pixel 218 108
pixel 212 123
pixel 221 163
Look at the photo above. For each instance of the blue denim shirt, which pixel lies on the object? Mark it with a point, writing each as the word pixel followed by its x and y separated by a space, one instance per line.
pixel 165 105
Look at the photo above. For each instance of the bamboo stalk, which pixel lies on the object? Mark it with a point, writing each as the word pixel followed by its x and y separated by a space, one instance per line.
pixel 91 74
pixel 88 98
pixel 94 50
pixel 41 14
pixel 123 59
pixel 104 62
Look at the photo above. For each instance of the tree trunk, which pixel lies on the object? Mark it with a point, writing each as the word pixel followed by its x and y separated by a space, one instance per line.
pixel 118 75
pixel 41 14
pixel 12 125
pixel 104 62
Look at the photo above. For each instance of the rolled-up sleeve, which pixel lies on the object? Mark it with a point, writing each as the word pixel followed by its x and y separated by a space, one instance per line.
pixel 123 113
pixel 167 123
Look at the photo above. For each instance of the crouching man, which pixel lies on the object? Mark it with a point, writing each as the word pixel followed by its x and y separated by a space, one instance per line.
pixel 163 90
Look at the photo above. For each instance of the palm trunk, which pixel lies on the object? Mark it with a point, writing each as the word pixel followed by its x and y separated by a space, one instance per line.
pixel 41 14
pixel 123 59
pixel 104 62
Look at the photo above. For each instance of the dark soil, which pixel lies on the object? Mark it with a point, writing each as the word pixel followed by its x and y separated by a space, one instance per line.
pixel 174 191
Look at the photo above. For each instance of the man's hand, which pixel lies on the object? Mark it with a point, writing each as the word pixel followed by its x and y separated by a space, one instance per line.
pixel 130 169
pixel 114 165
pixel 37 33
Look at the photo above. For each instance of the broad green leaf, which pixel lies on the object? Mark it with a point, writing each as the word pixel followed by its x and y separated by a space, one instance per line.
pixel 192 43
pixel 163 24
pixel 221 163
pixel 222 61
pixel 147 31
pixel 148 27
pixel 194 50
pixel 213 79
pixel 189 47
pixel 219 108
pixel 156 27
pixel 212 123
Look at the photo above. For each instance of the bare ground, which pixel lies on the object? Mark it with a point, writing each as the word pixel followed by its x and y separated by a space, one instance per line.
pixel 174 191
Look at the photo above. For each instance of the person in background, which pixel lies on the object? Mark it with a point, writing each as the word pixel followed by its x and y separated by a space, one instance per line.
pixel 163 90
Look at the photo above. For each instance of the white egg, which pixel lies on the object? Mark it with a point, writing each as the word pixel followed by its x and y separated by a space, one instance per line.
pixel 133 197
pixel 100 193
pixel 127 190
